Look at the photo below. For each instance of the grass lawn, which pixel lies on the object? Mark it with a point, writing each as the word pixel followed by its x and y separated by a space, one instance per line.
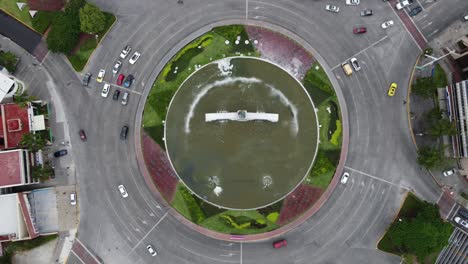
pixel 209 47
pixel 13 247
pixel 216 223
pixel 81 57
pixel 40 22
pixel 440 79
pixel 186 204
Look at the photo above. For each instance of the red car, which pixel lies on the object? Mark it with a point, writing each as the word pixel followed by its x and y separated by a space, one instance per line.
pixel 359 30
pixel 120 79
pixel 280 243
pixel 82 135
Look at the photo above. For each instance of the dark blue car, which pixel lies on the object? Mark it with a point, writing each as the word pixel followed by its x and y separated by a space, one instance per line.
pixel 128 81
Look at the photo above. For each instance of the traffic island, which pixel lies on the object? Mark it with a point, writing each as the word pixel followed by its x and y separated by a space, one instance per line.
pixel 201 184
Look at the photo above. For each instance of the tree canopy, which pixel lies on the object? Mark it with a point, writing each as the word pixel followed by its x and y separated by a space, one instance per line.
pixel 32 142
pixel 64 33
pixel 424 87
pixel 8 60
pixel 431 157
pixel 92 19
pixel 422 235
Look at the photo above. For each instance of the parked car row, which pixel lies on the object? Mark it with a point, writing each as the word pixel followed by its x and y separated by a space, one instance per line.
pixel 106 90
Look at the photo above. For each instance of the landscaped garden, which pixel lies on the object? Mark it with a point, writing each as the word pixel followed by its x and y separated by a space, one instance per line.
pixel 40 22
pixel 418 233
pixel 217 44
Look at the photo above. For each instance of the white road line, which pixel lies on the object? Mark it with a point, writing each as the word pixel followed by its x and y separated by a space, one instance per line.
pixel 401 21
pixel 428 24
pixel 421 5
pixel 246 9
pixel 433 32
pixel 155 225
pixel 374 177
pixel 451 209
pixel 241 252
pixel 78 257
pixel 204 256
pixel 375 43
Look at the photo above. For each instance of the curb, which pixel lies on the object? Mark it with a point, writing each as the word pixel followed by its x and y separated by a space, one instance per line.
pixel 299 220
pixel 97 46
pixel 28 26
pixel 409 118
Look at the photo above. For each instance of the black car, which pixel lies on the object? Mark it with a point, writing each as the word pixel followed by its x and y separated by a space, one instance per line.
pixel 463 213
pixel 116 95
pixel 128 81
pixel 86 79
pixel 415 11
pixel 60 153
pixel 366 12
pixel 123 133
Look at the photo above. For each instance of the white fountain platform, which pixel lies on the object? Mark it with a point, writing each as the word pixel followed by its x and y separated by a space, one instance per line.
pixel 241 115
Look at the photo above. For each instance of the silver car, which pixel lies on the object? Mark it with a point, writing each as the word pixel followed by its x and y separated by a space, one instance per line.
pixel 332 8
pixel 116 67
pixel 344 178
pixel 461 222
pixel 123 191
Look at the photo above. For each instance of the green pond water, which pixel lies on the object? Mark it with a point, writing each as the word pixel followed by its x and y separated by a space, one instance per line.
pixel 250 164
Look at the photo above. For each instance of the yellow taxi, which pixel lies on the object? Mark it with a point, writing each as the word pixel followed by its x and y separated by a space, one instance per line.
pixel 392 89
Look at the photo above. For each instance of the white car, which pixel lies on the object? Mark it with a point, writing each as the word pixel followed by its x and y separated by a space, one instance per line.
pixel 352 2
pixel 125 52
pixel 461 222
pixel 151 250
pixel 123 191
pixel 449 172
pixel 73 198
pixel 355 64
pixel 332 8
pixel 135 57
pixel 116 67
pixel 402 4
pixel 387 24
pixel 100 76
pixel 344 178
pixel 105 90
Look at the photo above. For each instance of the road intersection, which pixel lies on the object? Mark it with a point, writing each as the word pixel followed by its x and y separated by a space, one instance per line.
pixel 381 157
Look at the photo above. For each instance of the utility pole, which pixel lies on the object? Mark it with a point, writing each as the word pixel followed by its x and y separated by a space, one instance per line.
pixel 434 59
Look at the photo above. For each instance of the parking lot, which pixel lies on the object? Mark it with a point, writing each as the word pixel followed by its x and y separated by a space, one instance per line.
pixel 68 214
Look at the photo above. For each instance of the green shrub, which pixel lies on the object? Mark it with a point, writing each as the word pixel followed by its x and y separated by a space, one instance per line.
pixel 273 217
pixel 43 19
pixel 335 139
pixel 8 60
pixel 64 33
pixel 276 207
pixel 231 220
pixel 188 205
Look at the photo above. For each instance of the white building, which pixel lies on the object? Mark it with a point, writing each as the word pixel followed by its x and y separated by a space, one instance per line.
pixel 9 85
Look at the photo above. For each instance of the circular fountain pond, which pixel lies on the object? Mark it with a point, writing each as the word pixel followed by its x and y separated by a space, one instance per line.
pixel 241 133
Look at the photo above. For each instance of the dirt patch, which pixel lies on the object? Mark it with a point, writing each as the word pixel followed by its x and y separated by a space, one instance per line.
pixel 298 202
pixel 81 40
pixel 159 167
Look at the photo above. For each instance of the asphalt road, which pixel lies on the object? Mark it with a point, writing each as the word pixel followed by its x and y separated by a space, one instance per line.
pixel 381 155
pixel 438 15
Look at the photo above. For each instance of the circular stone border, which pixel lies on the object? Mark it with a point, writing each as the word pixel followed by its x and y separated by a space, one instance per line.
pixel 147 177
pixel 311 162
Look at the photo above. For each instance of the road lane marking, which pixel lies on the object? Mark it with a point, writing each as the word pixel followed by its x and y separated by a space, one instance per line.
pixel 246 9
pixel 204 256
pixel 155 225
pixel 428 24
pixel 407 30
pixel 374 177
pixel 241 252
pixel 363 50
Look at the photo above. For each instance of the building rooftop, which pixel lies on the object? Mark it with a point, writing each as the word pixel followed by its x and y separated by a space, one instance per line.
pixel 5 85
pixel 8 221
pixel 14 124
pixel 10 162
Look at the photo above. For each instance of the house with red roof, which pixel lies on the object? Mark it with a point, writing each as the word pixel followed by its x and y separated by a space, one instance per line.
pixel 15 121
pixel 15 168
